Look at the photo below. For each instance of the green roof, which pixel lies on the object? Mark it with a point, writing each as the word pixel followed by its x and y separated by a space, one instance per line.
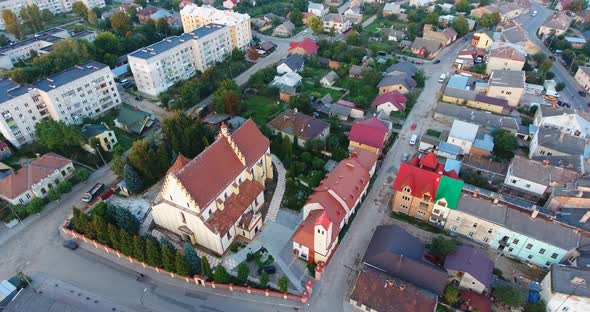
pixel 450 190
pixel 133 119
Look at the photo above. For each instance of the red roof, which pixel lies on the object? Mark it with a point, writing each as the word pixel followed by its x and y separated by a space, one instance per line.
pixel 365 158
pixel 395 97
pixel 346 103
pixel 371 132
pixel 347 180
pixel 473 300
pixel 429 161
pixel 308 45
pixel 180 162
pixel 323 220
pixel 304 235
pixel 216 167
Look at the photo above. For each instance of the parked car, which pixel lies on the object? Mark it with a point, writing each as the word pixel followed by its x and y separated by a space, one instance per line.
pixel 551 57
pixel 436 61
pixel 413 126
pixel 419 62
pixel 139 98
pixel 582 93
pixel 413 139
pixel 269 269
pixel 70 244
pixel 406 156
pixel 436 260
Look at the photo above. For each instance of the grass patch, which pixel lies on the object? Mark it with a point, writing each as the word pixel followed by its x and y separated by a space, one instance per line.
pixel 422 225
pixel 260 108
pixel 124 138
pixel 433 133
pixel 381 23
pixel 309 88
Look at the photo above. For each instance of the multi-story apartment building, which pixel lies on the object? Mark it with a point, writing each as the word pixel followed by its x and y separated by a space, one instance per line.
pixel 194 16
pixel 54 6
pixel 85 90
pixel 162 64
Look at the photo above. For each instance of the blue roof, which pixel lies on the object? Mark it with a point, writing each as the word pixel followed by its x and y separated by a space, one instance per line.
pixel 173 41
pixel 587 151
pixel 449 148
pixel 458 82
pixel 575 39
pixel 480 84
pixel 486 143
pixel 10 89
pixel 68 75
pixel 451 164
pixel 121 70
pixel 533 129
pixel 160 14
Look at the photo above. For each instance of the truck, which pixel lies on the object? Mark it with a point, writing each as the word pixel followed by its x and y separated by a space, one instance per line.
pixel 90 195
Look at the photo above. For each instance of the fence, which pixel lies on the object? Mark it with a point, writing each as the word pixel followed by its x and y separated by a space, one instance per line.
pixel 197 279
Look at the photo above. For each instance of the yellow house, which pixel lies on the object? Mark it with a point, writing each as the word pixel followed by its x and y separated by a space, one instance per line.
pixel 104 135
pixel 508 85
pixel 481 40
pixel 583 77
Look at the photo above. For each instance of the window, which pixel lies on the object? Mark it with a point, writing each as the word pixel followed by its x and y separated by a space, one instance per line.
pixel 421 213
pixel 485 240
pixel 474 225
pixel 454 228
pixel 490 231
pixel 28 195
pixel 510 249
pixel 515 241
pixel 403 206
pixel 530 257
pixel 527 186
pixel 436 212
pixel 182 217
pixel 547 263
pixel 406 198
pixel 407 189
pixel 554 256
pixel 513 181
pixel 426 197
pixel 529 246
pixel 471 234
pixel 542 251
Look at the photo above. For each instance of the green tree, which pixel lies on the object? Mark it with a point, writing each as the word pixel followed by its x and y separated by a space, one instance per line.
pixel 184 135
pixel 264 280
pixel 163 27
pixel 56 135
pixel 535 307
pixel 316 25
pixel 153 253
pixel 560 86
pixel 539 58
pixel 117 165
pixel 53 194
pixel 243 272
pixel 488 20
pixel 133 180
pixel 147 158
pixel 12 24
pixel 420 78
pixel 32 17
pixel 80 9
pixel 168 258
pixel 125 242
pixel 79 220
pixel 92 18
pixel 577 6
pixel 296 17
pixel 227 97
pixel 353 38
pixel 510 296
pixel 442 246
pixel 182 266
pixel 206 268
pixel 301 5
pixel 113 237
pixel 220 275
pixel 504 144
pixel 287 150
pixel 283 284
pixel 138 248
pixel 100 228
pixel 106 47
pixel 460 25
pixel 451 295
pixel 193 260
pixel 301 103
pixel 463 6
pixel 64 187
pixel 431 18
pixel 120 22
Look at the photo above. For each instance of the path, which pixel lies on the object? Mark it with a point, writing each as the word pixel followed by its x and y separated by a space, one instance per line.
pixel 277 198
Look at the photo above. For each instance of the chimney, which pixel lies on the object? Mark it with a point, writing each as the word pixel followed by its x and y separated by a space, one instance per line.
pixel 38 155
pixel 546 162
pixel 223 129
pixel 402 287
pixel 535 213
pixel 585 217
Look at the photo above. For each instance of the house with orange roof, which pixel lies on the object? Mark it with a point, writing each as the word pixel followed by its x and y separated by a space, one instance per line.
pixel 424 190
pixel 35 178
pixel 306 47
pixel 331 205
pixel 212 199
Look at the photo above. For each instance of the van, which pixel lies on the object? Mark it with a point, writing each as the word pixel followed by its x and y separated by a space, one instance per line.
pixel 442 78
pixel 413 139
pixel 534 13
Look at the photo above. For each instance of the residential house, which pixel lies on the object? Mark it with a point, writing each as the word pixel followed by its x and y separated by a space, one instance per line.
pixel 562 5
pixel 507 10
pixel 513 32
pixel 318 9
pixel 293 124
pixel 481 40
pixel 354 14
pixel 305 47
pixel 582 76
pixel 505 57
pixel 356 71
pixel 230 4
pixel 293 63
pixel 401 82
pixel 470 268
pixel 448 150
pixel 388 102
pixel 369 134
pixel 35 178
pixel 343 109
pixel 225 202
pixel 556 25
pixel 552 142
pixel 483 145
pixel 458 91
pixel 419 3
pixel 284 30
pixel 391 8
pixel 133 120
pixel 55 7
pixel 537 177
pixel 329 79
pixel 447 7
pixel 392 35
pixel 566 120
pixel 507 84
pixel 447 113
pixel 445 37
pixel 331 206
pixel 286 92
pixel 102 133
pixel 336 22
pixel 402 67
pixel 416 189
pixel 577 43
pixel 463 135
pixel 395 276
pixel 426 48
pixel 290 79
pixel 565 288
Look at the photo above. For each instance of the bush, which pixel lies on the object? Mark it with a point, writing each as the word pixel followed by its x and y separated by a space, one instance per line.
pixel 434 133
pixel 35 205
pixel 509 296
pixel 311 268
pixel 53 194
pixel 284 284
pixel 64 187
pixel 81 175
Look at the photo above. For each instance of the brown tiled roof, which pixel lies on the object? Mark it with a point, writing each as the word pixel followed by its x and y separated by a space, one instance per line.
pixel 298 124
pixel 234 207
pixel 559 21
pixel 20 181
pixel 180 162
pixel 382 292
pixel 216 167
pixel 304 235
pixel 509 53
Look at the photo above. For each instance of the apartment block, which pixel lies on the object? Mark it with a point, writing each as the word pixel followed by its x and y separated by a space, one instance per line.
pixel 162 64
pixel 54 6
pixel 194 16
pixel 85 90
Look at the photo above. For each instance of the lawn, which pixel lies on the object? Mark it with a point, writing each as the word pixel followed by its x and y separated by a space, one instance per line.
pixel 261 108
pixel 124 138
pixel 310 89
pixel 381 23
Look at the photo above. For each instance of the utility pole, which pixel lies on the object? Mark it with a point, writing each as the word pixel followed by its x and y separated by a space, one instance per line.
pixel 100 154
pixel 20 270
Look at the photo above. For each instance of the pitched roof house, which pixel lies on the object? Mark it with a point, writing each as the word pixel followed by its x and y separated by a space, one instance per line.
pixel 393 101
pixel 424 47
pixel 470 268
pixel 401 82
pixel 556 24
pixel 565 288
pixel 207 200
pixel 290 79
pixel 552 142
pixel 329 79
pixel 506 57
pixel 293 63
pixel 445 37
pixel 284 30
pixel 369 134
pixel 293 124
pixel 537 177
pixel 402 67
pixel 304 47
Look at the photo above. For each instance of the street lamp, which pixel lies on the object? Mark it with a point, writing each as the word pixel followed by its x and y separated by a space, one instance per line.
pixel 569 70
pixel 143 294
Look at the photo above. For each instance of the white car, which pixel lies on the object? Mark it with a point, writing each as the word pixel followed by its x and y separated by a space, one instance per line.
pixel 534 13
pixel 413 139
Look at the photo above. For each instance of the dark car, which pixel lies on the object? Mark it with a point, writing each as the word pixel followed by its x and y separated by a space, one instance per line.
pixel 551 57
pixel 138 98
pixel 582 93
pixel 436 260
pixel 70 244
pixel 269 269
pixel 436 61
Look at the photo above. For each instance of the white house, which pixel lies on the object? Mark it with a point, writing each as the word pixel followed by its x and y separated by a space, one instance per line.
pixel 532 176
pixel 419 3
pixel 294 63
pixel 565 288
pixel 318 9
pixel 565 119
pixel 329 79
pixel 463 135
pixel 290 79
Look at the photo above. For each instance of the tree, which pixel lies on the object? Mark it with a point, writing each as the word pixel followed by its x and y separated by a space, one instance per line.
pixel 206 268
pixel 316 25
pixel 79 221
pixel 560 86
pixel 56 135
pixel 296 17
pixel 80 9
pixel 441 246
pixel 100 228
pixel 120 22
pixel 122 218
pixel 431 18
pixel 53 194
pixel 451 295
pixel 301 103
pixel 286 150
pixel 168 258
pixel 106 47
pixel 193 260
pixel 488 20
pixel 151 160
pixel 92 18
pixel 504 144
pixel 253 54
pixel 113 234
pixel 153 253
pixel 463 6
pixel 353 38
pixel 300 5
pixel 117 165
pixel 12 24
pixel 535 307
pixel 576 6
pixel 420 78
pixel 237 55
pixel 510 296
pixel 243 272
pixel 32 17
pixel 283 284
pixel 133 180
pixel 264 280
pixel 460 25
pixel 184 135
pixel 539 58
pixel 220 275
pixel 125 242
pixel 182 267
pixel 546 66
pixel 163 27
pixel 227 97
pixel 138 248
